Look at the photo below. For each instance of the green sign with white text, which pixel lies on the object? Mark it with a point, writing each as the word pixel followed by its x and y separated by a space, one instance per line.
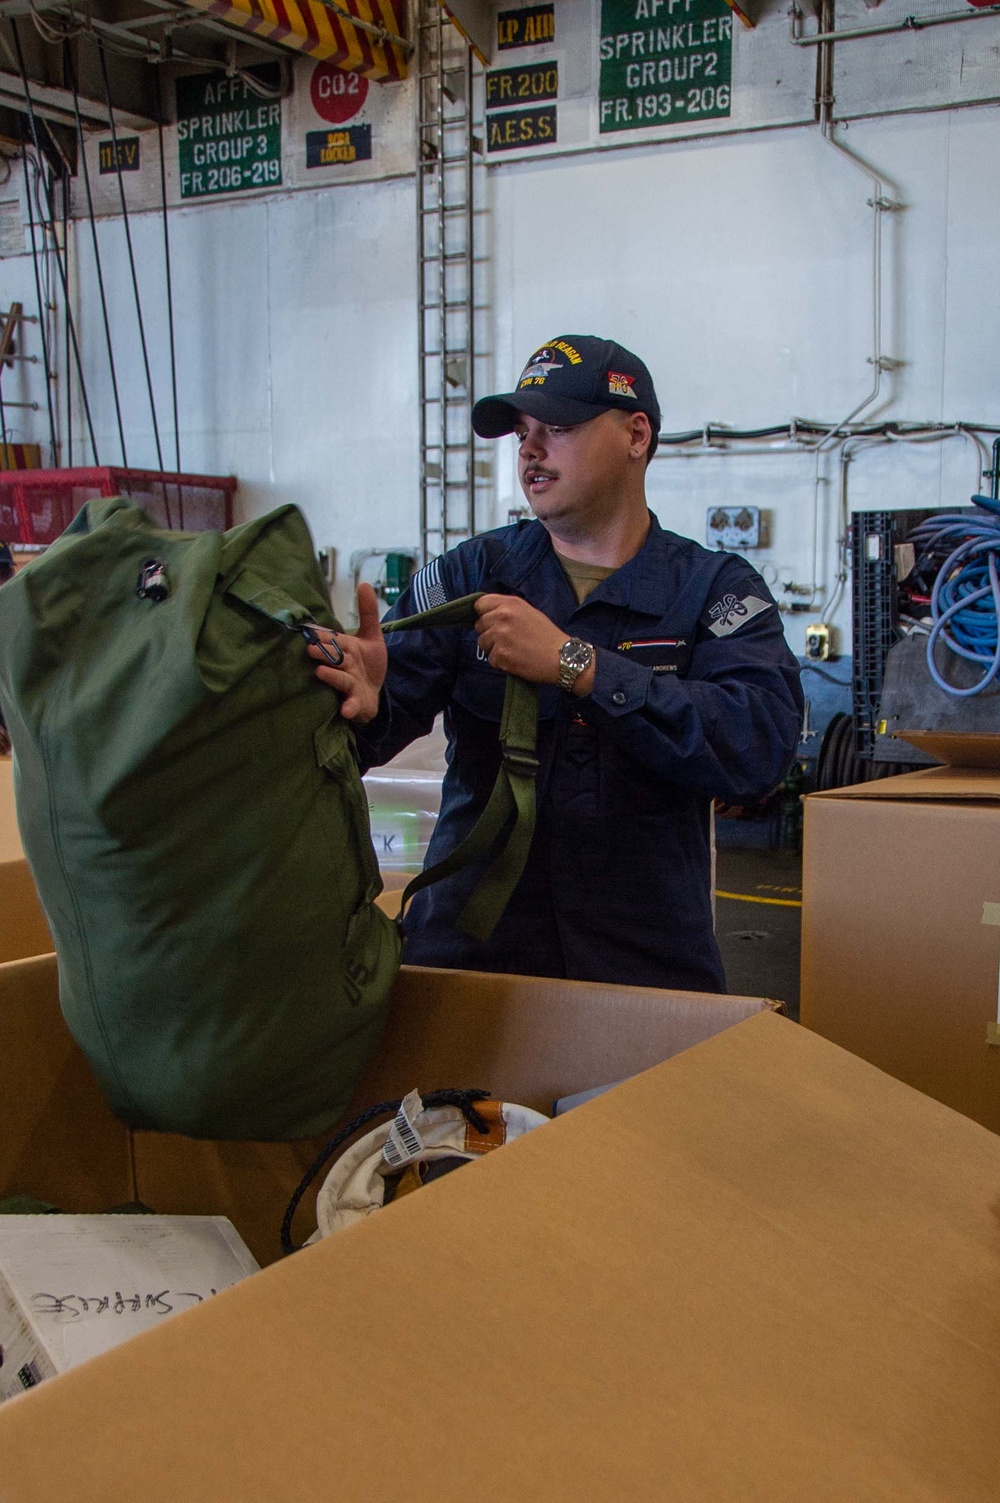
pixel 664 62
pixel 228 135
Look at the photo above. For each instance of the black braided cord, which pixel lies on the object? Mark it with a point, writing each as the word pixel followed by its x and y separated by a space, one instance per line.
pixel 464 1100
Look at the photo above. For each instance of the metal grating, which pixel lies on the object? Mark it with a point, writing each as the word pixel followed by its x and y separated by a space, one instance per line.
pixel 37 505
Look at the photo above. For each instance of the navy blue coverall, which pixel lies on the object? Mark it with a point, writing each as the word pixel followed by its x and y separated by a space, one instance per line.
pixel 696 696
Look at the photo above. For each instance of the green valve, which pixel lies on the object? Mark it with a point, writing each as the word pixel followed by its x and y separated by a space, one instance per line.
pixel 398 568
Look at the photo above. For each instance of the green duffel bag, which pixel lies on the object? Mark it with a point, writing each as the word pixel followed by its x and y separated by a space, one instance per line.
pixel 192 811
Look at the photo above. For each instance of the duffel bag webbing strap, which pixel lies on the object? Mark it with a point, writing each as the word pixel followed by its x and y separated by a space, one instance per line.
pixel 460 613
pixel 513 795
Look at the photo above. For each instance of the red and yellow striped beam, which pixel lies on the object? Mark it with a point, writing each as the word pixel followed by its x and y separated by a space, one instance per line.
pixel 20 457
pixel 319 32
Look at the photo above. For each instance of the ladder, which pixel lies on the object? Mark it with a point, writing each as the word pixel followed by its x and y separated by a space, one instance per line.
pixel 11 454
pixel 450 171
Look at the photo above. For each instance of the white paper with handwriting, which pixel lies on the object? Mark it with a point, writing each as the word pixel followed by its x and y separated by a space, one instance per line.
pixel 71 1287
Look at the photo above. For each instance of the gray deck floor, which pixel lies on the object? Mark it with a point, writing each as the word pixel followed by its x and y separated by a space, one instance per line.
pixel 758 930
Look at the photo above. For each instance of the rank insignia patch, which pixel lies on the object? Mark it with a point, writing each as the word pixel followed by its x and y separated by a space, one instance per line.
pixel 729 614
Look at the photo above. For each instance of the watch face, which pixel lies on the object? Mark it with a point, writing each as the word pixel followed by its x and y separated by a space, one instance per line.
pixel 576 654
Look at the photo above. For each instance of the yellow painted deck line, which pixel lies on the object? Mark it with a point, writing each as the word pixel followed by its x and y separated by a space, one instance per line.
pixel 746 897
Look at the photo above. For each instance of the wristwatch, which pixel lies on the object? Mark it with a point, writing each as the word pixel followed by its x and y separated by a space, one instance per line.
pixel 574 657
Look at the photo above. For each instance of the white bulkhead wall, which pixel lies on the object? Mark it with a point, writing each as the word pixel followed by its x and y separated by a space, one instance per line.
pixel 739 267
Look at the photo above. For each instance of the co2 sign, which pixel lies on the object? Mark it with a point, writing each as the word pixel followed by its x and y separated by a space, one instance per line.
pixel 337 96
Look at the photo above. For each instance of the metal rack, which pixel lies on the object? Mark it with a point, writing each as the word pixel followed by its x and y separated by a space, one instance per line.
pixel 449 164
pixel 875 538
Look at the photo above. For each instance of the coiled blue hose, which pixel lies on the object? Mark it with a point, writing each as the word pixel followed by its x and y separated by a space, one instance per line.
pixel 965 600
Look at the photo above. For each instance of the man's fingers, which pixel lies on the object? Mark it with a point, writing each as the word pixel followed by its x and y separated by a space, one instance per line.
pixel 337 679
pixel 368 618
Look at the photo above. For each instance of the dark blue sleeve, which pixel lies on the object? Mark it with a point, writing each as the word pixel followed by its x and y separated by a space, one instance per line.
pixel 422 669
pixel 730 727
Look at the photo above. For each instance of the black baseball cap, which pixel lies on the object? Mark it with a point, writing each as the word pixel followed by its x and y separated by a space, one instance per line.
pixel 569 380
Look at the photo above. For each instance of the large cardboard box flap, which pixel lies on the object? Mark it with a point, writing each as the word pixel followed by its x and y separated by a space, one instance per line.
pixel 23 930
pixel 762 1270
pixel 957 748
pixel 931 784
pixel 524 1038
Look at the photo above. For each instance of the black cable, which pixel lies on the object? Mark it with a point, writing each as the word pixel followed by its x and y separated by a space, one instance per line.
pixel 3 418
pixel 842 683
pixel 60 267
pixel 41 304
pixel 81 146
pixel 464 1100
pixel 846 760
pixel 131 255
pixel 170 307
pixel 166 258
pixel 64 180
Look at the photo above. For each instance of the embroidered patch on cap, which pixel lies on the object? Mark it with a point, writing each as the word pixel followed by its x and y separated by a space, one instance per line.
pixel 541 364
pixel 621 386
pixel 729 614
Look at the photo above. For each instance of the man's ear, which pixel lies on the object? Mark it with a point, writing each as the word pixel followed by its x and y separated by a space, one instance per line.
pixel 640 434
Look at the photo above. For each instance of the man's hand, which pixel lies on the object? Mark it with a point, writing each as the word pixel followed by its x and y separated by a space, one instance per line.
pixel 519 639
pixel 362 673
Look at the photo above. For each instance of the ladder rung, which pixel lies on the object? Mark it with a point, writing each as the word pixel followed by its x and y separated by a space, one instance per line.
pixel 449 256
pixel 446 209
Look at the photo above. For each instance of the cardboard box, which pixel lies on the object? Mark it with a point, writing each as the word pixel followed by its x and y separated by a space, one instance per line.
pixel 760 1271
pixel 74 1286
pixel 404 799
pixel 403 808
pixel 524 1039
pixel 23 930
pixel 901 928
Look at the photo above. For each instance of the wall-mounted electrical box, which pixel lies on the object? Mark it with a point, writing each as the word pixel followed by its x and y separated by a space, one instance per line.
pixel 734 527
pixel 819 644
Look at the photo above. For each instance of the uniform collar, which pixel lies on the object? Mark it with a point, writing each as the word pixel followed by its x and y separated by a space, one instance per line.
pixel 637 584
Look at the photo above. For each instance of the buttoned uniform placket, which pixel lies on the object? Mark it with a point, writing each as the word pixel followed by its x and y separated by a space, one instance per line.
pixel 617 885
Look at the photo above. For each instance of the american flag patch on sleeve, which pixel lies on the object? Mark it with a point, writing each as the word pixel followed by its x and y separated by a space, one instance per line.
pixel 427 588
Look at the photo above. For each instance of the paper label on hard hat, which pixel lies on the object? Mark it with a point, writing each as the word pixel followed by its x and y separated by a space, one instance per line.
pixel 404 1143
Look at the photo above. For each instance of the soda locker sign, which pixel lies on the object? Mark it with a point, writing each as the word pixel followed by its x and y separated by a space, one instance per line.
pixel 664 62
pixel 228 136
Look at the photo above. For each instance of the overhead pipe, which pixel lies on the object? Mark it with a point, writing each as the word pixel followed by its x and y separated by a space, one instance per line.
pixel 855 33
